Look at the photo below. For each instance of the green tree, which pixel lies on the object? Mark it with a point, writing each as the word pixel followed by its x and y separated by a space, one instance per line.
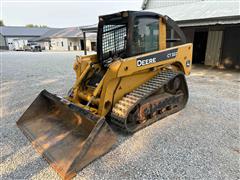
pixel 43 26
pixel 30 25
pixel 1 23
pixel 35 25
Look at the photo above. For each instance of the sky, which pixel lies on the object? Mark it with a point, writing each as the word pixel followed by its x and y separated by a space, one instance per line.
pixel 61 13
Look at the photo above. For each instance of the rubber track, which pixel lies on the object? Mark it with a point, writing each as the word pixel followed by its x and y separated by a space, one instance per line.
pixel 124 106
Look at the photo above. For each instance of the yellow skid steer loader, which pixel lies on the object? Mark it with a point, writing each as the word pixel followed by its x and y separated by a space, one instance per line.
pixel 132 81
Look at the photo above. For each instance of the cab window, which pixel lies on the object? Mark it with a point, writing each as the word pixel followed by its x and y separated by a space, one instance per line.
pixel 145 35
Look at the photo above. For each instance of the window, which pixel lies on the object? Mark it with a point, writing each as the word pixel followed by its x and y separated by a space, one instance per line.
pixel 62 43
pixel 113 42
pixel 145 35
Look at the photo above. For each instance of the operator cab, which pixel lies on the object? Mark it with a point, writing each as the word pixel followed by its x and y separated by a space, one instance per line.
pixel 127 34
pixel 130 33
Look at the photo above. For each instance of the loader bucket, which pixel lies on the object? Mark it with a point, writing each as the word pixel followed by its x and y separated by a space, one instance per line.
pixel 68 137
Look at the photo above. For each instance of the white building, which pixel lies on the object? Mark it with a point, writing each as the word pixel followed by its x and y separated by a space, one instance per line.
pixel 67 39
pixel 213 28
pixel 15 37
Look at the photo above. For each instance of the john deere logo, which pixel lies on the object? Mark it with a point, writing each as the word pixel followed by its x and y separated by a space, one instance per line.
pixel 157 57
pixel 146 61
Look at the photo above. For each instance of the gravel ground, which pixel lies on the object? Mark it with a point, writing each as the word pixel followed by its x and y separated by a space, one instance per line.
pixel 200 142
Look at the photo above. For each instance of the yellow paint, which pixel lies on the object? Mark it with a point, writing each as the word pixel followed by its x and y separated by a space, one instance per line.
pixel 122 76
pixel 162 34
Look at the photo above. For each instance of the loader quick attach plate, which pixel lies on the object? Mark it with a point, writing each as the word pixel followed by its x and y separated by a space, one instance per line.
pixel 67 136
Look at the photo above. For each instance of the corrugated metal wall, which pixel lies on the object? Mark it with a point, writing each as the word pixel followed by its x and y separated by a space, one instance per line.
pixel 152 4
pixel 213 51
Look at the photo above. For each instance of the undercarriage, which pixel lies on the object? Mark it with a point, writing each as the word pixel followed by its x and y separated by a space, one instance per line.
pixel 159 97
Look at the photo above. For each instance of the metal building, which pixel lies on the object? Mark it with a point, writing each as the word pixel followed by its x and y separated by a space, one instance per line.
pixel 15 37
pixel 67 39
pixel 212 26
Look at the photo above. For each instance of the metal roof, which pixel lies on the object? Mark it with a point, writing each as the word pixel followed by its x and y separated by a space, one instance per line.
pixel 15 31
pixel 71 32
pixel 148 4
pixel 92 28
pixel 227 11
pixel 46 36
pixel 227 20
pixel 68 33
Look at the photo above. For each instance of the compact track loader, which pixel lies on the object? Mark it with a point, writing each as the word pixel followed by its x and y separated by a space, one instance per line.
pixel 132 81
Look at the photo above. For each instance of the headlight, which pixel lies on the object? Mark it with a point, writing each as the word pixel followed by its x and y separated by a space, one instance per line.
pixel 188 63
